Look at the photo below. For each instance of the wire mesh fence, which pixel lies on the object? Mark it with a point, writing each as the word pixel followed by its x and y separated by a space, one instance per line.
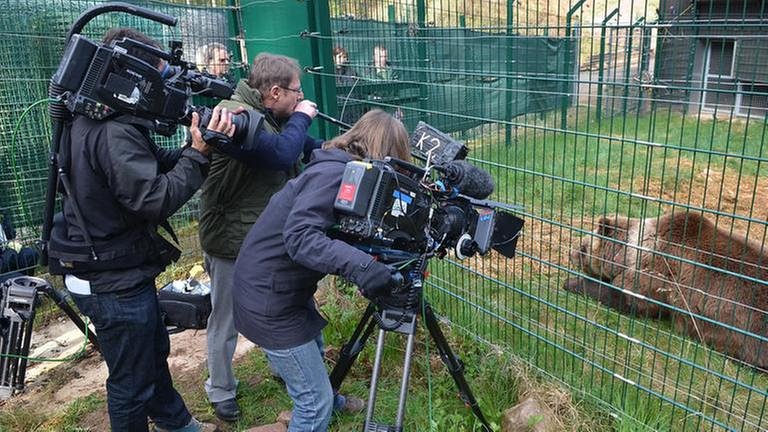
pixel 632 133
pixel 34 33
pixel 653 112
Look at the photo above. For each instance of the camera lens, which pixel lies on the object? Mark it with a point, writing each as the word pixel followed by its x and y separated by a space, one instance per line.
pixel 246 123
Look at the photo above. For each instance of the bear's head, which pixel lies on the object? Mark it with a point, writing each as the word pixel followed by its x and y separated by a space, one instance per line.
pixel 601 253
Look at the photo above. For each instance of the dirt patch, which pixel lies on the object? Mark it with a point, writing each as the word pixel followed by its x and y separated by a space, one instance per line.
pixel 52 386
pixel 737 196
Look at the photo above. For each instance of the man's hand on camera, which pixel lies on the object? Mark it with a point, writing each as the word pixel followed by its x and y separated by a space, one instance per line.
pixel 376 280
pixel 219 129
pixel 307 107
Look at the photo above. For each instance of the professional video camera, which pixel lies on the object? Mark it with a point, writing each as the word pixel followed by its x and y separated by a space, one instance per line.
pixel 405 215
pixel 392 205
pixel 98 80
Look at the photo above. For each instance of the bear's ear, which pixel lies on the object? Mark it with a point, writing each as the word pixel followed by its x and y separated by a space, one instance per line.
pixel 606 226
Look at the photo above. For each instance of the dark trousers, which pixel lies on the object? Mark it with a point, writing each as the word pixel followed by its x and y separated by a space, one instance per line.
pixel 135 345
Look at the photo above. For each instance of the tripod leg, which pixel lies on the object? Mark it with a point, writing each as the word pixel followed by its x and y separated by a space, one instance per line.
pixel 374 382
pixel 24 350
pixel 61 302
pixel 454 365
pixel 352 348
pixel 404 382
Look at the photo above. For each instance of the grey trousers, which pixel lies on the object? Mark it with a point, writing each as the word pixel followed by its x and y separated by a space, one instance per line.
pixel 222 336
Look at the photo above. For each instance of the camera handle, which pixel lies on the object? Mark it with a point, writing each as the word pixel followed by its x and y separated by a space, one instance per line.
pixel 404 322
pixel 95 11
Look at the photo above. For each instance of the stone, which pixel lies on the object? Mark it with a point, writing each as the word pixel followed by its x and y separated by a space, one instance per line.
pixel 530 415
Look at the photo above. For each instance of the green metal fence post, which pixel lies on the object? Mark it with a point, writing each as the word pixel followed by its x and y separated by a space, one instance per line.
pixel 509 69
pixel 281 31
pixel 422 62
pixel 568 66
pixel 628 71
pixel 239 56
pixel 601 67
pixel 645 60
pixel 322 61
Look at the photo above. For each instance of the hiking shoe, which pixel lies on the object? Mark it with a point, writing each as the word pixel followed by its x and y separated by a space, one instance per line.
pixel 353 405
pixel 194 425
pixel 227 410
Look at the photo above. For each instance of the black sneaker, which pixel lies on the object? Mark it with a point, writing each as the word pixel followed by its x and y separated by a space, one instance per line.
pixel 227 410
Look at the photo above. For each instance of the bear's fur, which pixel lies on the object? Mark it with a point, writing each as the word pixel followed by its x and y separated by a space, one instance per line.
pixel 684 261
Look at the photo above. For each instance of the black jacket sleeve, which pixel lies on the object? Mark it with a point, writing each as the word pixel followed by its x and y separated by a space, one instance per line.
pixel 310 218
pixel 275 151
pixel 167 158
pixel 135 179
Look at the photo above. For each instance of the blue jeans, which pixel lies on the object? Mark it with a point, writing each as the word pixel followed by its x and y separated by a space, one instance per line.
pixel 306 379
pixel 135 346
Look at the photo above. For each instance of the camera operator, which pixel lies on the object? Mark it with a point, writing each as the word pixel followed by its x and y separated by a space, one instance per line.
pixel 125 186
pixel 238 188
pixel 288 251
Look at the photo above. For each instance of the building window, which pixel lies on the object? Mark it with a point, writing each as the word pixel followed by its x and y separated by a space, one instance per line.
pixel 721 58
pixel 752 99
pixel 719 83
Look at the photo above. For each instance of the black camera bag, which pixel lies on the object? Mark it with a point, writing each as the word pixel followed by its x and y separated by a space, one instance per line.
pixel 184 310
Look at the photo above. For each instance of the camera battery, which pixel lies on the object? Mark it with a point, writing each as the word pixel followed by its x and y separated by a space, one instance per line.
pixel 357 188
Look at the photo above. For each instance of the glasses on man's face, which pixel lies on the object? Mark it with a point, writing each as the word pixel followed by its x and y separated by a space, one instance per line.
pixel 297 91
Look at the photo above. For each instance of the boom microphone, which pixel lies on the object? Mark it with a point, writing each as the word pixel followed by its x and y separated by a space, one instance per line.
pixel 468 179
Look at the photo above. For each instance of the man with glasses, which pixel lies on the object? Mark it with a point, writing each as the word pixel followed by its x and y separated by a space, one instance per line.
pixel 237 190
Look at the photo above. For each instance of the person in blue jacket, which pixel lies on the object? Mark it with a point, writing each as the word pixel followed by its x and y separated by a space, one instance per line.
pixel 288 250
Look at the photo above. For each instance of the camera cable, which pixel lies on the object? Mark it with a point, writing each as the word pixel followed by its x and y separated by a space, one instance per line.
pixel 27 218
pixel 16 178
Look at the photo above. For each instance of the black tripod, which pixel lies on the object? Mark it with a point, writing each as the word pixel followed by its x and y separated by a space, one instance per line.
pixel 18 303
pixel 399 314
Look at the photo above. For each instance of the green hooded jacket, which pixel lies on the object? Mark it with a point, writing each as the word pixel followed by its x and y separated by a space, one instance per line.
pixel 234 195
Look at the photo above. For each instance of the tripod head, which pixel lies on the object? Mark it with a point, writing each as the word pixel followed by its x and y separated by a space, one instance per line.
pixel 407 291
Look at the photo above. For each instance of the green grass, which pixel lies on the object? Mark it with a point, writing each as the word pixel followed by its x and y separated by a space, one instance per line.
pixel 638 166
pixel 505 313
pixel 594 167
pixel 497 379
pixel 578 343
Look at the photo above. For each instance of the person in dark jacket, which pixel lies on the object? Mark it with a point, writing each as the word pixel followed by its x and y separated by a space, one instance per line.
pixel 125 186
pixel 288 251
pixel 345 75
pixel 241 181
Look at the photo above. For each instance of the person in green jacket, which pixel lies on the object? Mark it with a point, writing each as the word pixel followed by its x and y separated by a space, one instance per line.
pixel 235 193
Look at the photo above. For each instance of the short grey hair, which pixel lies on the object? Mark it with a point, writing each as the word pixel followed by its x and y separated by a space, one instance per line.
pixel 205 54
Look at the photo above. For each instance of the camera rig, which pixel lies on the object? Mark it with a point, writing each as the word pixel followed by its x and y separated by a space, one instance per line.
pixel 394 205
pixel 101 81
pixel 98 80
pixel 404 215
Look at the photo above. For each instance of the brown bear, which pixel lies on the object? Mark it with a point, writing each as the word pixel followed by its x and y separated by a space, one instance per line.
pixel 707 279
